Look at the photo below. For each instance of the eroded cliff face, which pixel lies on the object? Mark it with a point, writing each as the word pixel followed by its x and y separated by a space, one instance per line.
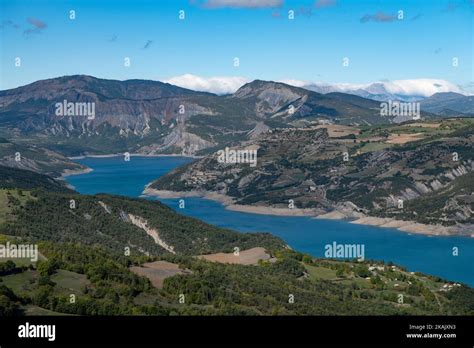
pixel 421 182
pixel 125 113
pixel 153 117
pixel 152 232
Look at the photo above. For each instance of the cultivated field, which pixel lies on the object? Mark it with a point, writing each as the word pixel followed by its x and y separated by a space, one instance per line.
pixel 245 257
pixel 158 271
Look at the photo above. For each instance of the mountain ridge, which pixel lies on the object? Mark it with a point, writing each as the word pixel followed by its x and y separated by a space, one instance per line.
pixel 355 173
pixel 152 117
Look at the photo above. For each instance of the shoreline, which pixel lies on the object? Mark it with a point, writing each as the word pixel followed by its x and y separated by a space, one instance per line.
pixel 405 226
pixel 69 172
pixel 131 155
pixel 228 202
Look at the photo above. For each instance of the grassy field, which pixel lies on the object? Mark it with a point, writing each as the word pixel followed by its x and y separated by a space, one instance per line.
pixel 68 283
pixel 19 262
pixel 245 257
pixel 21 283
pixel 35 310
pixel 369 147
pixel 6 197
pixel 427 129
pixel 316 272
pixel 378 138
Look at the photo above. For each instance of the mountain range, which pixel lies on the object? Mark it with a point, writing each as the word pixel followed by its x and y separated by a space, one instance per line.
pixel 385 91
pixel 376 91
pixel 449 103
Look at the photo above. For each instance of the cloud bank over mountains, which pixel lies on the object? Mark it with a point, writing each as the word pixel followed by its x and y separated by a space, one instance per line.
pixel 217 84
pixel 410 88
pixel 402 88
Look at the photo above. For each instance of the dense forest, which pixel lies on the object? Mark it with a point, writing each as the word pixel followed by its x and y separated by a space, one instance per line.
pixel 25 179
pixel 105 220
pixel 43 209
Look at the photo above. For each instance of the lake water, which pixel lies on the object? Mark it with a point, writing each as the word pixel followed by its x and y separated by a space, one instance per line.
pixel 431 255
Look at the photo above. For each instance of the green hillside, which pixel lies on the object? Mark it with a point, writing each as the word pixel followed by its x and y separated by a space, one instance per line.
pixel 85 269
pixel 25 179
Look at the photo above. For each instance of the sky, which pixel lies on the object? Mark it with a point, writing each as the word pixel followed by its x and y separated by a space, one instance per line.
pixel 380 42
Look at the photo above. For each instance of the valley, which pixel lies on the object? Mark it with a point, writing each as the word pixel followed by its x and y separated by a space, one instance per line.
pixel 330 156
pixel 300 231
pixel 80 258
pixel 208 171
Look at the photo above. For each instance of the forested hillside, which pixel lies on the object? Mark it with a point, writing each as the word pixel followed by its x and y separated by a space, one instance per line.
pixel 108 221
pixel 25 179
pixel 102 284
pixel 93 248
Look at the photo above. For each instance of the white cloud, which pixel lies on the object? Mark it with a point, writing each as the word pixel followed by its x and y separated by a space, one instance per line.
pixel 217 84
pixel 242 3
pixel 335 87
pixel 229 84
pixel 412 87
pixel 296 83
pixel 421 87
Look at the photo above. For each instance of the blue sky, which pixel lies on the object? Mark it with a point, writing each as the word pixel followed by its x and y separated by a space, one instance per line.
pixel 269 45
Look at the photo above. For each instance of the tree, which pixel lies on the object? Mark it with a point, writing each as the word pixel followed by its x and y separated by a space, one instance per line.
pixel 8 307
pixel 340 272
pixel 362 271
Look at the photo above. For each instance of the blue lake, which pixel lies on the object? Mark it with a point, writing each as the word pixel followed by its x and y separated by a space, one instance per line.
pixel 432 255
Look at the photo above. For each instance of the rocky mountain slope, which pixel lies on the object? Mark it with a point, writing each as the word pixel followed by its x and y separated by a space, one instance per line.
pixel 36 158
pixel 367 171
pixel 449 103
pixel 152 117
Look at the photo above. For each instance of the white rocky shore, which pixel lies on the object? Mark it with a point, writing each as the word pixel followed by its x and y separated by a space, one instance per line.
pixel 69 172
pixel 228 202
pixel 342 214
